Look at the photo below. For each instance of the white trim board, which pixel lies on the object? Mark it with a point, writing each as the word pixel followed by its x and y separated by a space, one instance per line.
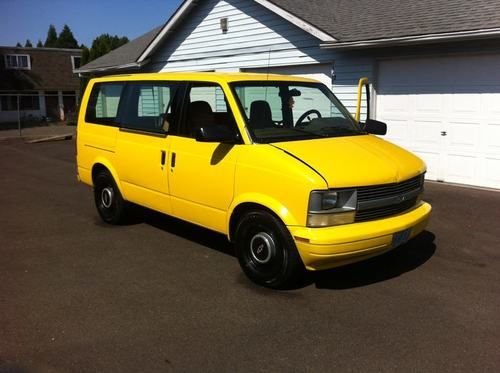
pixel 188 4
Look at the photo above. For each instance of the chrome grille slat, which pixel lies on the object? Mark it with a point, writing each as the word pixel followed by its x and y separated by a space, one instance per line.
pixel 385 192
pixel 384 211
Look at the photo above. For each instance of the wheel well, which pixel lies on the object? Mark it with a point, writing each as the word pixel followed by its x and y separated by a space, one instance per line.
pixel 240 210
pixel 98 167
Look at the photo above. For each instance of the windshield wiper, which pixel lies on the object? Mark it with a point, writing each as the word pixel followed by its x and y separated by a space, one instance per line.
pixel 340 131
pixel 306 132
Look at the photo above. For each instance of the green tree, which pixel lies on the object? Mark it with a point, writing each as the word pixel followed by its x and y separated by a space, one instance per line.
pixel 85 55
pixel 104 44
pixel 66 39
pixel 101 45
pixel 51 41
pixel 18 44
pixel 39 44
pixel 28 44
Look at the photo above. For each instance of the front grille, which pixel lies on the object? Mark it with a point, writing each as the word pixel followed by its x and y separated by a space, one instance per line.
pixel 375 202
pixel 389 190
pixel 382 212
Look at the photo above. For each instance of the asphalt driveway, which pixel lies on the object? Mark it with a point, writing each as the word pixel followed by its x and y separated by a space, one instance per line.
pixel 163 295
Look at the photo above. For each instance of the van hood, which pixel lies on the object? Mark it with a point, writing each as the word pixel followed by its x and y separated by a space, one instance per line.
pixel 355 160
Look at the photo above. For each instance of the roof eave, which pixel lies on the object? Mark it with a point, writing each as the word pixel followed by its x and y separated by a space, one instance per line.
pixel 132 65
pixel 299 22
pixel 418 39
pixel 179 15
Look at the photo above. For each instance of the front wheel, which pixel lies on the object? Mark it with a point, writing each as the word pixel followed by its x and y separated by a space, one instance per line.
pixel 108 199
pixel 266 251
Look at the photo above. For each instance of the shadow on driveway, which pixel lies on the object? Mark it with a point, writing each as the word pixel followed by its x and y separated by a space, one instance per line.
pixel 381 268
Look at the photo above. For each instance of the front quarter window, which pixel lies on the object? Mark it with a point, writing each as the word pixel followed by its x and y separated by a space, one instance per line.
pixel 287 111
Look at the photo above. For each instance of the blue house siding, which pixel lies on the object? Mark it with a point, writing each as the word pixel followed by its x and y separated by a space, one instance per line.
pixel 257 38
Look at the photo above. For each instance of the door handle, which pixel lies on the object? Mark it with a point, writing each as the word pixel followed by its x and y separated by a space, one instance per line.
pixel 163 157
pixel 172 160
pixel 443 133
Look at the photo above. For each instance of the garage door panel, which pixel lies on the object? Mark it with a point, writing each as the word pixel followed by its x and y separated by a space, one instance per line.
pixel 397 104
pixel 491 104
pixel 461 168
pixel 463 136
pixel 424 134
pixel 431 103
pixel 493 138
pixel 451 106
pixel 432 160
pixel 492 172
pixel 466 103
pixel 398 130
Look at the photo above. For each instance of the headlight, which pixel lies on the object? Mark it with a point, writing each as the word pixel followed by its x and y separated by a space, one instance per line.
pixel 327 207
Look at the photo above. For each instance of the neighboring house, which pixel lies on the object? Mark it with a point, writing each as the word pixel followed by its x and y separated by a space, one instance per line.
pixel 434 64
pixel 44 80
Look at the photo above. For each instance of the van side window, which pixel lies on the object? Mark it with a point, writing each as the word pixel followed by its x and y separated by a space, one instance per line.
pixel 103 103
pixel 149 106
pixel 205 106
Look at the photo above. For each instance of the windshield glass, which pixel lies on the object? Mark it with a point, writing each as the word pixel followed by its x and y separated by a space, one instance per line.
pixel 287 111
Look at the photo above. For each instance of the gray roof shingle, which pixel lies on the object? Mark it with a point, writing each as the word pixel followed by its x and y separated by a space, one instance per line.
pixel 355 20
pixel 126 54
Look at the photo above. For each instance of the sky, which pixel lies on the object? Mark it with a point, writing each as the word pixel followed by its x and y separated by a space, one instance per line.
pixel 30 19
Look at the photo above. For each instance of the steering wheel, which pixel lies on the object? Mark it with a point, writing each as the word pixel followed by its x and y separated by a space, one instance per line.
pixel 306 115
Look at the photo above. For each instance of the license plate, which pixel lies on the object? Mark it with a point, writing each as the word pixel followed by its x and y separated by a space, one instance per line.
pixel 400 238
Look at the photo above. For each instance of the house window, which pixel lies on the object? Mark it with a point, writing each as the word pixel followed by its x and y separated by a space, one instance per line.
pixel 17 61
pixel 76 62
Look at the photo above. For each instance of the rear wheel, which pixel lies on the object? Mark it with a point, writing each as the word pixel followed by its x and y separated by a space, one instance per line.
pixel 266 251
pixel 108 199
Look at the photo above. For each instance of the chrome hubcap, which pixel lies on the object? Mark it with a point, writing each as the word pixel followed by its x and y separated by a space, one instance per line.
pixel 107 197
pixel 262 248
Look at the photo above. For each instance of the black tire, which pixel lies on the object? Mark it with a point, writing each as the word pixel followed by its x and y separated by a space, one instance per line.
pixel 266 251
pixel 108 200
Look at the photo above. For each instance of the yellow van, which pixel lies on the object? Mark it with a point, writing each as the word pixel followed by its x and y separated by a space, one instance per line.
pixel 276 163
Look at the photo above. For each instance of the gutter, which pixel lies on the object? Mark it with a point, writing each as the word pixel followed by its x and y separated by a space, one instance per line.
pixel 418 39
pixel 132 65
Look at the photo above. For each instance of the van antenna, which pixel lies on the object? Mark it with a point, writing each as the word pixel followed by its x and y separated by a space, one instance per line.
pixel 268 62
pixel 267 72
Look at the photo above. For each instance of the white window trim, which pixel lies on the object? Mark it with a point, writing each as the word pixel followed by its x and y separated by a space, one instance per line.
pixel 73 62
pixel 17 56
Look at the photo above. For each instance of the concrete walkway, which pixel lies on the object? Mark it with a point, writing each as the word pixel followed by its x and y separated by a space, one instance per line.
pixel 35 133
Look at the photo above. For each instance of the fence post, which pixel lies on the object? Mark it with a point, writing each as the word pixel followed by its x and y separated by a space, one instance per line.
pixel 19 116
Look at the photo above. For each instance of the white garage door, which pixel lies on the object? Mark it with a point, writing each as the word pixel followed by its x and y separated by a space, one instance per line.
pixel 320 72
pixel 446 110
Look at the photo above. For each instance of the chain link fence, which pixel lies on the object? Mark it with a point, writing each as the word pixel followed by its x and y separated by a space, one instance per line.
pixel 36 109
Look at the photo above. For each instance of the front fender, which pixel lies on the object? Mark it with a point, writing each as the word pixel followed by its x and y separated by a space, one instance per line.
pixel 263 200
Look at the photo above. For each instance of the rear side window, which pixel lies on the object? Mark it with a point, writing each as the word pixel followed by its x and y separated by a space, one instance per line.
pixel 149 106
pixel 103 103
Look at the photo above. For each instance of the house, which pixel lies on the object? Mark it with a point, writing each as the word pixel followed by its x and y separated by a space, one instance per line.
pixel 42 79
pixel 434 64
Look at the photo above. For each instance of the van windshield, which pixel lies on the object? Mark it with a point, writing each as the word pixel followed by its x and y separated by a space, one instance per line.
pixel 286 111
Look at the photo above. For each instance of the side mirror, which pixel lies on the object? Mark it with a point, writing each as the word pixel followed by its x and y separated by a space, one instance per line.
pixel 220 134
pixel 375 127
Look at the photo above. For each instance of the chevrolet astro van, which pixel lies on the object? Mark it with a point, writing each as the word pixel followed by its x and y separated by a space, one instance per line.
pixel 275 163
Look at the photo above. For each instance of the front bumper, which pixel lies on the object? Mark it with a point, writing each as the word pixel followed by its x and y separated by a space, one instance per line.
pixel 323 248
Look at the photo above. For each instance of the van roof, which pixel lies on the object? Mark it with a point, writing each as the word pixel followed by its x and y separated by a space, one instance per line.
pixel 218 77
